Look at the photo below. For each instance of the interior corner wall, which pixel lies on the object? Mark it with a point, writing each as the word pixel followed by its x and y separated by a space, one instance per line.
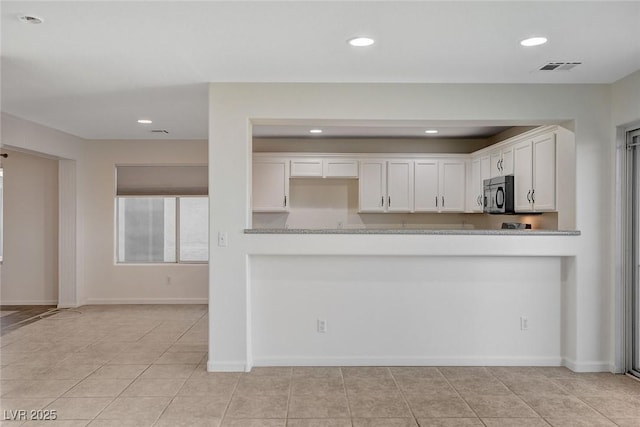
pixel 30 259
pixel 107 282
pixel 625 103
pixel 233 106
pixel 29 137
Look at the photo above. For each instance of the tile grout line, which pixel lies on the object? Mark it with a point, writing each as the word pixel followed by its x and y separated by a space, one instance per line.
pixel 395 381
pixel 460 396
pixel 286 412
pixel 346 397
pixel 233 392
pixel 518 396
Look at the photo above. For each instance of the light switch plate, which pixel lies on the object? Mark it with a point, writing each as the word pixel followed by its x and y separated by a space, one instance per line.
pixel 222 239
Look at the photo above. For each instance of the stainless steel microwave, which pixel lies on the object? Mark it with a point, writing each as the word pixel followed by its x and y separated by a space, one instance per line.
pixel 498 195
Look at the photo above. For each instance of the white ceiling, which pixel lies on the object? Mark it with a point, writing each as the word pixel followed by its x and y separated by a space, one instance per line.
pixel 93 68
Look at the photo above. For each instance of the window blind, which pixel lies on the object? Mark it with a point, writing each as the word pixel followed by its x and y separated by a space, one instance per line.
pixel 162 180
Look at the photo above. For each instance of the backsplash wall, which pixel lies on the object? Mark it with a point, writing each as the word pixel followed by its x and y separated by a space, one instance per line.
pixel 333 203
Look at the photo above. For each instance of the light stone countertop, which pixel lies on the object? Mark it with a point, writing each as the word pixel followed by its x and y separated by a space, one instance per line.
pixel 458 232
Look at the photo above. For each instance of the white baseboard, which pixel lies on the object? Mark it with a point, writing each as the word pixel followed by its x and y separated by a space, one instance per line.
pixel 96 301
pixel 593 366
pixel 411 361
pixel 30 302
pixel 226 366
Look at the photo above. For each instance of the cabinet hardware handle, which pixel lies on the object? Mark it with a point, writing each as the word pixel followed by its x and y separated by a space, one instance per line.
pixel 533 199
pixel 480 200
pixel 528 196
pixel 389 201
pixel 501 167
pixel 285 201
pixel 436 201
pixel 382 201
pixel 443 201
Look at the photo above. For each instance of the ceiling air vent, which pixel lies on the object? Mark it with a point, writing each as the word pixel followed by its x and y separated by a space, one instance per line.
pixel 160 131
pixel 559 66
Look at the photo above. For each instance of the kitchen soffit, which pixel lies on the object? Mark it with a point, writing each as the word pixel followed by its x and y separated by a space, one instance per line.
pixel 332 131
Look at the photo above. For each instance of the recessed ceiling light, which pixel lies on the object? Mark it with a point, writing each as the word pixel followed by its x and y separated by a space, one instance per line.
pixel 145 121
pixel 431 131
pixel 361 41
pixel 316 131
pixel 30 19
pixel 533 41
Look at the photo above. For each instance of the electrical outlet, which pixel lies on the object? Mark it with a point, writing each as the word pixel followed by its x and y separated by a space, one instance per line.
pixel 322 326
pixel 524 323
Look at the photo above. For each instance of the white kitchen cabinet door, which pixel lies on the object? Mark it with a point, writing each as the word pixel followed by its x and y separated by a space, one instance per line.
pixel 523 176
pixel 372 185
pixel 340 168
pixel 270 186
pixel 306 167
pixel 480 170
pixel 507 160
pixel 501 161
pixel 495 159
pixel 399 186
pixel 451 180
pixel 544 173
pixel 426 186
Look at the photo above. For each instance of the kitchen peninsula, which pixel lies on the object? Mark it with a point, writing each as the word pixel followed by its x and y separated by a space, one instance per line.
pixel 454 294
pixel 344 239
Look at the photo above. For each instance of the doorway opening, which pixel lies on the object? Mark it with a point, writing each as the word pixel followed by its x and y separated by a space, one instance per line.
pixel 631 253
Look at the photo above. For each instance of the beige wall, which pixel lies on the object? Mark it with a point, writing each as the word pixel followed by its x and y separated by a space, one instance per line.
pixel 30 263
pixel 626 100
pixel 105 281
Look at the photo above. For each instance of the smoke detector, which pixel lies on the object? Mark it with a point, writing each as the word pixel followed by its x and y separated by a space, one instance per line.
pixel 30 19
pixel 559 66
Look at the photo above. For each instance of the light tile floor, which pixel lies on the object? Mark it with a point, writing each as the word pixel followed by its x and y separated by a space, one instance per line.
pixel 145 366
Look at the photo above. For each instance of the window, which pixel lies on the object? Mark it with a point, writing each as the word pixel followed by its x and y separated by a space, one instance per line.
pixel 162 214
pixel 163 229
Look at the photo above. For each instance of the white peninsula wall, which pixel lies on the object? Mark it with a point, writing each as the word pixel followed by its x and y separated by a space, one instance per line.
pixel 385 297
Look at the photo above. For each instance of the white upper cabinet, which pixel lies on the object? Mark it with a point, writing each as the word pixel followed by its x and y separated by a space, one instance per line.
pixel 480 170
pixel 399 186
pixel 372 185
pixel 426 185
pixel 535 174
pixel 544 173
pixel 501 161
pixel 320 167
pixel 270 185
pixel 386 186
pixel 440 185
pixel 340 168
pixel 452 184
pixel 507 160
pixel 306 167
pixel 523 176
